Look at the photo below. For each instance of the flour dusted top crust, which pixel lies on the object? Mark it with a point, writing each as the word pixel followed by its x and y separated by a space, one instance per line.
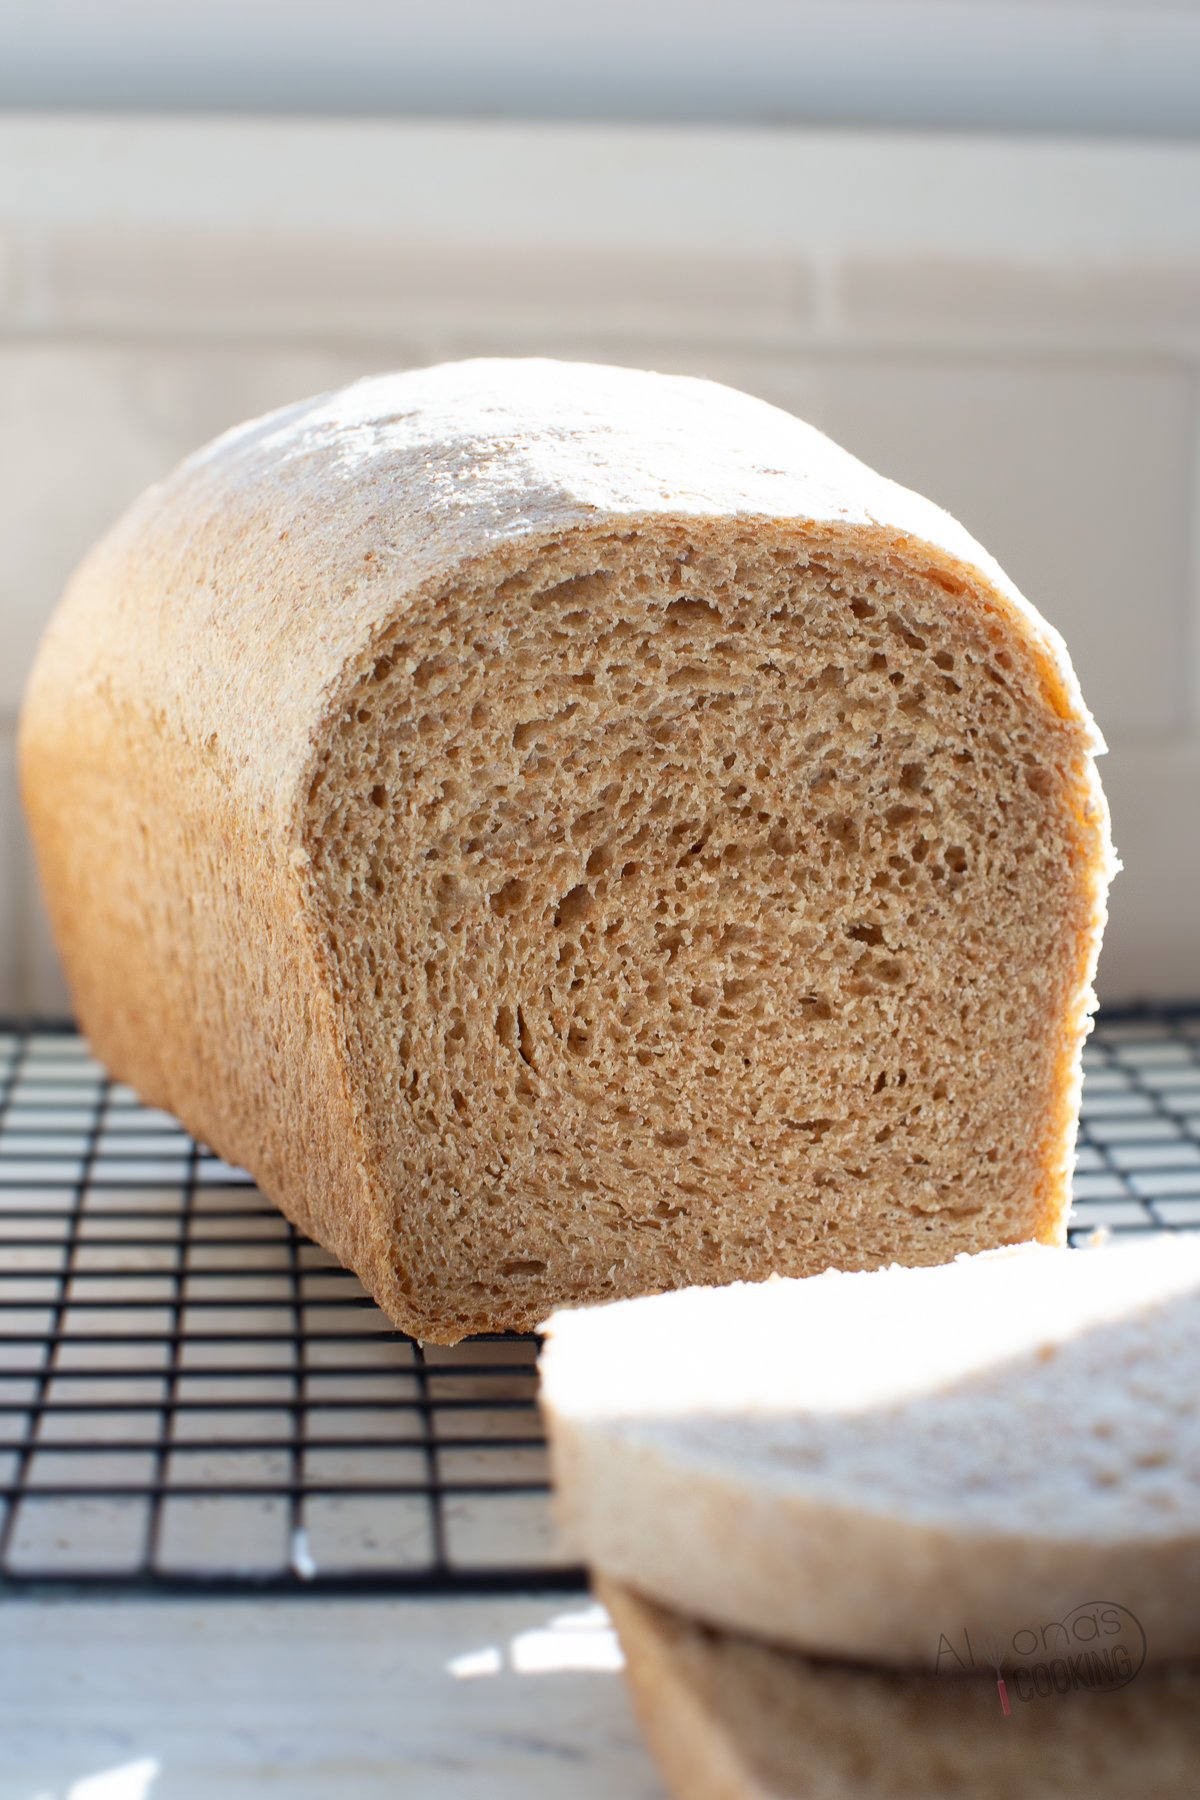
pixel 274 555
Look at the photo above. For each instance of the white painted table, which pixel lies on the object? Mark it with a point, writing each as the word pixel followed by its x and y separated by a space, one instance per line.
pixel 314 1699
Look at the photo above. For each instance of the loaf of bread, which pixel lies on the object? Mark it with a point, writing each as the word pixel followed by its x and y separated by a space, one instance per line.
pixel 857 1464
pixel 732 1719
pixel 569 832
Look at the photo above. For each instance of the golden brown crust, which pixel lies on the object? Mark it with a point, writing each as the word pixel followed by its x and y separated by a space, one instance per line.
pixel 204 666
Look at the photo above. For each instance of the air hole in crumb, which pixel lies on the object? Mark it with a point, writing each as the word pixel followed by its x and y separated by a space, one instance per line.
pixel 574 907
pixel 527 1266
pixel 507 899
pixel 378 796
pixel 842 830
pixel 524 734
pixel 865 934
pixel 815 1129
pixel 693 610
pixel 907 636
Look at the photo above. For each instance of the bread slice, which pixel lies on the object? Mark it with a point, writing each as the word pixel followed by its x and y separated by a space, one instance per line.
pixel 870 1465
pixel 571 831
pixel 731 1719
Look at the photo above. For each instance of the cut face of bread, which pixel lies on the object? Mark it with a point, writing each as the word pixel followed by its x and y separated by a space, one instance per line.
pixel 572 832
pixel 868 1465
pixel 732 1719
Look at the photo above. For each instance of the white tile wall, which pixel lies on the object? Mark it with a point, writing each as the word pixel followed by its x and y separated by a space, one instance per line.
pixel 15 886
pixel 292 282
pixel 1011 328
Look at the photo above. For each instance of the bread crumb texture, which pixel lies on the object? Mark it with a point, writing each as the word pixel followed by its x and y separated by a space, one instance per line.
pixel 857 1464
pixel 572 832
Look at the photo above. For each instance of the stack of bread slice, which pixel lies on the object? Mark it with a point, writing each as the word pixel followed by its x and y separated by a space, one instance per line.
pixel 909 1532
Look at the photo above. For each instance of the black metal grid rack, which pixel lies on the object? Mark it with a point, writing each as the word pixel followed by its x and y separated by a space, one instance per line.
pixel 191 1394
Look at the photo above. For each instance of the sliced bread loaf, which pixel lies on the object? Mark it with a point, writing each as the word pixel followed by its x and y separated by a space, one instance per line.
pixel 732 1719
pixel 870 1465
pixel 571 831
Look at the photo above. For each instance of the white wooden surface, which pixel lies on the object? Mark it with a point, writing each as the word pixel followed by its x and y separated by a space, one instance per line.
pixel 314 1699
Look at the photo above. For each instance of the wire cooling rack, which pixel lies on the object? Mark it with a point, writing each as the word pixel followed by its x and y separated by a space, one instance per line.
pixel 192 1394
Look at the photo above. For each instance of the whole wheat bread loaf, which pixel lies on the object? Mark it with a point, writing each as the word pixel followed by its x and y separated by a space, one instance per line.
pixel 732 1719
pixel 860 1464
pixel 572 831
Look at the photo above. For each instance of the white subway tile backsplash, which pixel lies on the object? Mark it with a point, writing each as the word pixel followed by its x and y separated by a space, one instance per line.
pixel 933 299
pixel 1152 946
pixel 1013 329
pixel 46 995
pixel 210 283
pixel 15 897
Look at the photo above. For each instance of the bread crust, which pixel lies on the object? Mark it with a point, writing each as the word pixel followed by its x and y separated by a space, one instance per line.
pixel 729 1718
pixel 206 652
